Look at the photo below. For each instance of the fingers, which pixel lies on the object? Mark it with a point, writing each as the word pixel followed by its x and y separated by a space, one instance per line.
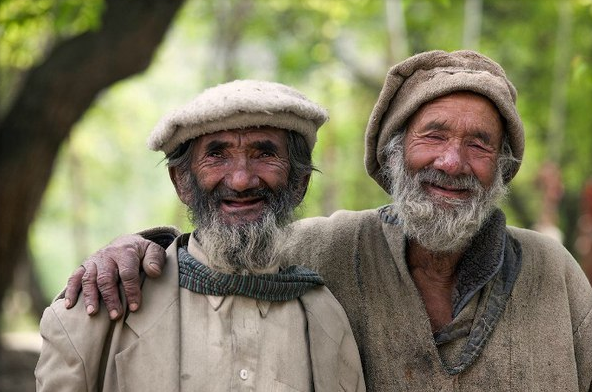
pixel 154 260
pixel 107 278
pixel 101 273
pixel 90 293
pixel 127 252
pixel 129 272
pixel 73 287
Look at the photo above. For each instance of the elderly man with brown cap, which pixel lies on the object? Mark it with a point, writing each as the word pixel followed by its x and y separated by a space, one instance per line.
pixel 224 315
pixel 440 292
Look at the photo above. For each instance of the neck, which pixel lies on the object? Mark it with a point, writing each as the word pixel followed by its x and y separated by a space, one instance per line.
pixel 434 276
pixel 439 266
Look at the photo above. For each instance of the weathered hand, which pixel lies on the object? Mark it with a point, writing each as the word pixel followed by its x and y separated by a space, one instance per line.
pixel 102 271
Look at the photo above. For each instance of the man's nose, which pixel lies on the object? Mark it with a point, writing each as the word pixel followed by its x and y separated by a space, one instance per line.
pixel 451 161
pixel 241 175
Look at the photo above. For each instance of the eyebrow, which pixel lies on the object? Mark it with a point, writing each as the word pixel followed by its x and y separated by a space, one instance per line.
pixel 483 136
pixel 437 125
pixel 216 145
pixel 266 145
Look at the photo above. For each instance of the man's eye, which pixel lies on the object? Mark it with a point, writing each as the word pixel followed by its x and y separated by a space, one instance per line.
pixel 435 137
pixel 266 154
pixel 479 146
pixel 215 154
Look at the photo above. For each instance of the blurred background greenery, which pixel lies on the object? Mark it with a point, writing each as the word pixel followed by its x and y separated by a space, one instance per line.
pixel 104 182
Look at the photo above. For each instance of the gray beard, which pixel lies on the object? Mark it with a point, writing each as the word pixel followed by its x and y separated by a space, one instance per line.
pixel 440 225
pixel 249 248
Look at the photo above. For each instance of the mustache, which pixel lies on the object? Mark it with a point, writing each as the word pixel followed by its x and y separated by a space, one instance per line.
pixel 441 179
pixel 222 192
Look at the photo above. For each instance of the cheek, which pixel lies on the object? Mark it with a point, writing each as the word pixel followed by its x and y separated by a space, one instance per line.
pixel 417 159
pixel 484 171
pixel 273 175
pixel 209 177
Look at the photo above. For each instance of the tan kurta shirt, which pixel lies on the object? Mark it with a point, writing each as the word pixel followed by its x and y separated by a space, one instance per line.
pixel 150 350
pixel 244 344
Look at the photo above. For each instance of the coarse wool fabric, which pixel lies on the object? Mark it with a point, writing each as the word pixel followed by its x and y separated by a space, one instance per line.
pixel 427 76
pixel 542 341
pixel 238 105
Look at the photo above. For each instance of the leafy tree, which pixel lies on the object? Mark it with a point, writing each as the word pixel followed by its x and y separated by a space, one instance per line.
pixel 85 54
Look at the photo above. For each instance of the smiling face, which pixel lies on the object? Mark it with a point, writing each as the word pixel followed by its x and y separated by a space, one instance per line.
pixel 241 166
pixel 459 134
pixel 445 171
pixel 241 191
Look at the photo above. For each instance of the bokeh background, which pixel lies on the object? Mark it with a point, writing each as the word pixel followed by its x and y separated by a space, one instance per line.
pixel 82 83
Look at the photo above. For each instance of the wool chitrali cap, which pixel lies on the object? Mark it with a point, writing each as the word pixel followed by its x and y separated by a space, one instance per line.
pixel 237 105
pixel 427 76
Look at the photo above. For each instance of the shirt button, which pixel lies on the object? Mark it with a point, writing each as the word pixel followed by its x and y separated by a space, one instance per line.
pixel 243 374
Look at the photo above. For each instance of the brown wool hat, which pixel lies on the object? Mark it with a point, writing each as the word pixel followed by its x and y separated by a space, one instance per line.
pixel 237 105
pixel 427 76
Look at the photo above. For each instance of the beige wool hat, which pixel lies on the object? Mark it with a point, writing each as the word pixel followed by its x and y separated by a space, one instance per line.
pixel 427 76
pixel 237 105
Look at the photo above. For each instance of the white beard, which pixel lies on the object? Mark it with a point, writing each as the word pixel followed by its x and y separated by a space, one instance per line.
pixel 440 225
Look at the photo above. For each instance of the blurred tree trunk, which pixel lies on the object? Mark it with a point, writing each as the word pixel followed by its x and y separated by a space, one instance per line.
pixel 397 31
pixel 557 116
pixel 77 204
pixel 54 96
pixel 231 17
pixel 472 25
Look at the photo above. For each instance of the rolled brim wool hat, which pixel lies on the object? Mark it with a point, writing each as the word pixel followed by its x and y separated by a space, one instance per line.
pixel 237 105
pixel 427 76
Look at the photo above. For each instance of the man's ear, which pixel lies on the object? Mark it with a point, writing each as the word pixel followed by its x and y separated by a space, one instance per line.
pixel 180 183
pixel 302 188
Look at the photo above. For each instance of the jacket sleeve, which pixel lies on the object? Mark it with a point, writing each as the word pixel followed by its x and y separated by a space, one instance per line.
pixel 583 352
pixel 60 367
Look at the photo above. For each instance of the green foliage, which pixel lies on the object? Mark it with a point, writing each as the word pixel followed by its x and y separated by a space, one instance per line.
pixel 336 51
pixel 29 26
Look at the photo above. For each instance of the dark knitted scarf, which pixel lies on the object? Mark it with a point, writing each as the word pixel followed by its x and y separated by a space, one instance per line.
pixel 289 283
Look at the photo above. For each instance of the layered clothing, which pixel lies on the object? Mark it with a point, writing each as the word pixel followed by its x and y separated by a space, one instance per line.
pixel 522 307
pixel 181 340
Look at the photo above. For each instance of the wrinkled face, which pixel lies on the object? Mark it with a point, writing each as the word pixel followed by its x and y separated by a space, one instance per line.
pixel 239 164
pixel 445 171
pixel 241 196
pixel 459 134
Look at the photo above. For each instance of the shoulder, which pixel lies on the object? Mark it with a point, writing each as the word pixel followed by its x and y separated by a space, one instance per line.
pixel 546 250
pixel 72 347
pixel 320 304
pixel 338 222
pixel 73 327
pixel 547 264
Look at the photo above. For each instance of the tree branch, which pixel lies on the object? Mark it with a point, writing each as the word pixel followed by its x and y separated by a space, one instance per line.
pixel 54 96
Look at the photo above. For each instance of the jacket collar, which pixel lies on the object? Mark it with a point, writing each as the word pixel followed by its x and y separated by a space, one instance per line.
pixel 157 325
pixel 152 361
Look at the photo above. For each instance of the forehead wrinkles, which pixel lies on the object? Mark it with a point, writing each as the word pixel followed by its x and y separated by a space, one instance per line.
pixel 247 138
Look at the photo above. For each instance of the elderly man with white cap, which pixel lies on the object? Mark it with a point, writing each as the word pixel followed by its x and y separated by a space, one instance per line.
pixel 441 294
pixel 224 315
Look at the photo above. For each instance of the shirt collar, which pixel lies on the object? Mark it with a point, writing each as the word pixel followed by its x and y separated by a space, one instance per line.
pixel 195 250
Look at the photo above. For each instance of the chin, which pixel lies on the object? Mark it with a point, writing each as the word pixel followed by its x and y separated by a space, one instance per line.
pixel 242 219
